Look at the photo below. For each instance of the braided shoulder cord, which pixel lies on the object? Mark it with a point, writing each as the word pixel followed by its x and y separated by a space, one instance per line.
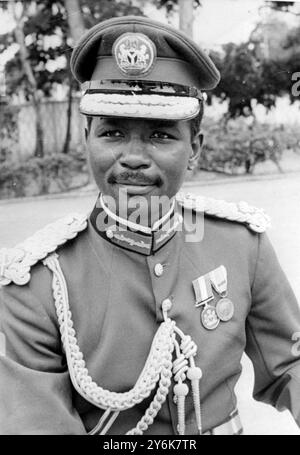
pixel 157 369
pixel 15 263
pixel 241 212
pixel 159 398
pixel 160 350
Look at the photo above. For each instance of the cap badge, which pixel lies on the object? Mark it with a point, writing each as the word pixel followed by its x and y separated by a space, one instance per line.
pixel 134 53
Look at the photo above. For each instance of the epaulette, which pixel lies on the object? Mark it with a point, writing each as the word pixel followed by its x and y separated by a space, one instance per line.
pixel 15 263
pixel 241 212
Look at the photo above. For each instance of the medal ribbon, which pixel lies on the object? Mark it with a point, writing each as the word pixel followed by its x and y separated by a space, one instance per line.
pixel 218 278
pixel 203 290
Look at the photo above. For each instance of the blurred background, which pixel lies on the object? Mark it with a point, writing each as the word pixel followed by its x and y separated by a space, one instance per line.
pixel 252 117
pixel 251 126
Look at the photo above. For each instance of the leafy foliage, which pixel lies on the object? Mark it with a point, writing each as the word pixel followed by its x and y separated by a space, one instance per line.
pixel 170 5
pixel 281 6
pixel 8 131
pixel 50 174
pixel 47 19
pixel 247 78
pixel 240 145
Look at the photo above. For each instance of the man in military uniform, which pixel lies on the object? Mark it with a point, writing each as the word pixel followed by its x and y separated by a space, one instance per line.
pixel 111 324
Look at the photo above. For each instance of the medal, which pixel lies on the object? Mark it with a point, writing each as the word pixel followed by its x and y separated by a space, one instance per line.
pixel 224 309
pixel 204 294
pixel 209 317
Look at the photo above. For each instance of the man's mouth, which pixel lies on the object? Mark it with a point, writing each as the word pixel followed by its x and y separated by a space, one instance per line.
pixel 134 183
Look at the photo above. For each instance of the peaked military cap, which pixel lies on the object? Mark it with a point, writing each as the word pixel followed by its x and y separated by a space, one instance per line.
pixel 136 67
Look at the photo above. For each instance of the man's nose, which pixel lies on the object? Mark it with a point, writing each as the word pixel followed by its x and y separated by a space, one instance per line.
pixel 135 155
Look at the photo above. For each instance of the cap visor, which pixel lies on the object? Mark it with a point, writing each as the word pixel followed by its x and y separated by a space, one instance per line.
pixel 140 106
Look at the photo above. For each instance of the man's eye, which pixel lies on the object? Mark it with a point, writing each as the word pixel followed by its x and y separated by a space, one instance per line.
pixel 111 133
pixel 161 135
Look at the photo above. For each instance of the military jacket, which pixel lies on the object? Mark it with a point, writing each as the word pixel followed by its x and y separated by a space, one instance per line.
pixel 115 297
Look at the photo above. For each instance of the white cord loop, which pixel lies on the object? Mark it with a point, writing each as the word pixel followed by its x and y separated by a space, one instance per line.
pixel 185 355
pixel 158 368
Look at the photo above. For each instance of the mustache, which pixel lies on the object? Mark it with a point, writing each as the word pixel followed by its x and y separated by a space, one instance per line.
pixel 134 177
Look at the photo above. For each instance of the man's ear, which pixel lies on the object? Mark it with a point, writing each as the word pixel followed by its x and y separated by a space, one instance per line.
pixel 196 151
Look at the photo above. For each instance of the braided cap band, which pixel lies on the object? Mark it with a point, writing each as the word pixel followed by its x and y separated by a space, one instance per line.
pixel 147 106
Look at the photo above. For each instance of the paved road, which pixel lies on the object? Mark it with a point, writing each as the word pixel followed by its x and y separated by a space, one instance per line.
pixel 280 197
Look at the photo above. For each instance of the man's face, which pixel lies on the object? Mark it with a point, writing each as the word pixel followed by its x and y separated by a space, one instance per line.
pixel 142 157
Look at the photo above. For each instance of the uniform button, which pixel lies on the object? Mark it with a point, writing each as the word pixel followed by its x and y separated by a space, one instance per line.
pixel 109 233
pixel 158 269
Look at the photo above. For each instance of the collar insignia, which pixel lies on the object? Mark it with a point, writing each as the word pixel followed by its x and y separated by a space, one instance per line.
pixel 135 240
pixel 135 54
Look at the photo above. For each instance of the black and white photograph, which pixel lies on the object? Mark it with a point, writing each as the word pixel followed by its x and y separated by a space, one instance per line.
pixel 149 210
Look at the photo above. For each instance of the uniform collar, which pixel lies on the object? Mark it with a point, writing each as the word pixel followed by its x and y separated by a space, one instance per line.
pixel 131 236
